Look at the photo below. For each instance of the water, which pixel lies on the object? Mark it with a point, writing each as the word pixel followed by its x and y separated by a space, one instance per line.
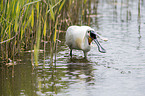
pixel 119 72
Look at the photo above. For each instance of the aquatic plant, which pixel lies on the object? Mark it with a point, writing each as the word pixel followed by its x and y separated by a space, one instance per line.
pixel 24 24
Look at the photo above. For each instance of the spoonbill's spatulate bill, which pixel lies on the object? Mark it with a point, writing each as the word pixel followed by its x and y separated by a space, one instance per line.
pixel 80 38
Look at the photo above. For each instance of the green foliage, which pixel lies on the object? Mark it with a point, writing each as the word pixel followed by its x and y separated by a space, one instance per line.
pixel 44 29
pixel 61 5
pixel 24 19
pixel 51 12
pixel 24 23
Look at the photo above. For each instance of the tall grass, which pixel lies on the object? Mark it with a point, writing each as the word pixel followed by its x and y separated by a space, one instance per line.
pixel 24 23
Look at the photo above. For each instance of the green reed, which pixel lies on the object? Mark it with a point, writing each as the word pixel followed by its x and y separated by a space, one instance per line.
pixel 24 23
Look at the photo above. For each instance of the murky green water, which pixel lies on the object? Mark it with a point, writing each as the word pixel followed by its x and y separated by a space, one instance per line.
pixel 119 72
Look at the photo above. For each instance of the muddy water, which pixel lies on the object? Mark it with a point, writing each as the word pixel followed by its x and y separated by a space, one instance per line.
pixel 119 72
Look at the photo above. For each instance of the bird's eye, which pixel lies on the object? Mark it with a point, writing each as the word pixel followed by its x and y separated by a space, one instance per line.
pixel 88 31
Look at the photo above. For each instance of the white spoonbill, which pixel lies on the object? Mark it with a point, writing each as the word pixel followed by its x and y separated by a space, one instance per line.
pixel 80 38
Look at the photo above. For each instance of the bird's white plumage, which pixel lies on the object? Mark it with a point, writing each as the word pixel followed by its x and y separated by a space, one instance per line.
pixel 77 38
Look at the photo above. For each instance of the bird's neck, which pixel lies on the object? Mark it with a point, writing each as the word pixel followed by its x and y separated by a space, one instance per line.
pixel 86 45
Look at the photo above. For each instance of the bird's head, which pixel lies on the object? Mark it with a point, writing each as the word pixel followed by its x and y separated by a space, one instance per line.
pixel 93 36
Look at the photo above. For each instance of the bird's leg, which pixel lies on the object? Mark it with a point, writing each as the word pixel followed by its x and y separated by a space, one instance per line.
pixel 71 52
pixel 85 54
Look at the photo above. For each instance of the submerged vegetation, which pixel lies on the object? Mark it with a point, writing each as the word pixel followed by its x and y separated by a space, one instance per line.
pixel 24 24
